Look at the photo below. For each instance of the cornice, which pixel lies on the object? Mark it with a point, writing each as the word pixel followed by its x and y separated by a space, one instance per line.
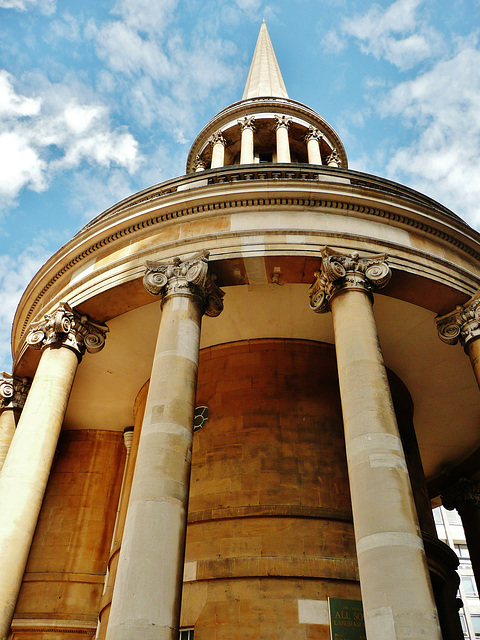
pixel 112 226
pixel 288 172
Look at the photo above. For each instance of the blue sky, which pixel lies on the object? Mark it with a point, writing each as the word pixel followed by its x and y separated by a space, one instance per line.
pixel 101 99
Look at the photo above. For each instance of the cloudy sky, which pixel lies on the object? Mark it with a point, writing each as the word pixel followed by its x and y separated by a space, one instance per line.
pixel 99 99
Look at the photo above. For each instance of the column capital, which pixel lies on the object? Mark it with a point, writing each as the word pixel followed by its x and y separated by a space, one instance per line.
pixel 463 492
pixel 461 325
pixel 282 121
pixel 185 277
pixel 64 327
pixel 334 159
pixel 313 134
pixel 248 122
pixel 346 272
pixel 217 138
pixel 198 164
pixel 13 391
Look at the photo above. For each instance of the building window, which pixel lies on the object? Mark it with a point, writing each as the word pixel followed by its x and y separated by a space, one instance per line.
pixel 464 625
pixel 437 515
pixel 470 588
pixel 476 625
pixel 186 634
pixel 453 517
pixel 461 550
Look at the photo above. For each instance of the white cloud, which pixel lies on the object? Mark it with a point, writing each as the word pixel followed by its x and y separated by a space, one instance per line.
pixel 45 6
pixel 93 193
pixel 249 6
pixel 332 42
pixel 68 27
pixel 12 104
pixel 57 129
pixel 149 16
pixel 395 33
pixel 15 273
pixel 20 165
pixel 442 107
pixel 125 50
pixel 164 76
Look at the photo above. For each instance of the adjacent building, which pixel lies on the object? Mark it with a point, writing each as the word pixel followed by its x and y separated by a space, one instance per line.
pixel 303 317
pixel 450 530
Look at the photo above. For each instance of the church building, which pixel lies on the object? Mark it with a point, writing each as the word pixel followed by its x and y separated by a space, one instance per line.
pixel 236 397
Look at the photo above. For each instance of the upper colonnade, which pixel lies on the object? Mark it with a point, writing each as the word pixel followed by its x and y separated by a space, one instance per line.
pixel 266 126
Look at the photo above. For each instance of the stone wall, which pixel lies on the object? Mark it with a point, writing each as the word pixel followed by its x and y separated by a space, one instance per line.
pixel 64 578
pixel 270 535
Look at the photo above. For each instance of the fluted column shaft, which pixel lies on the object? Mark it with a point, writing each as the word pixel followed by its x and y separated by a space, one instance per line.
pixel 27 466
pixel 283 144
pixel 147 593
pixel 396 592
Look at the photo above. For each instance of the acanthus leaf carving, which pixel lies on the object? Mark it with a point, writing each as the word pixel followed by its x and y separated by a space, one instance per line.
pixel 313 134
pixel 248 122
pixel 282 121
pixel 217 138
pixel 334 159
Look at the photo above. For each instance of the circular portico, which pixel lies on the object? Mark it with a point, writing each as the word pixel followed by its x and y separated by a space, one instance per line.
pixel 265 234
pixel 271 222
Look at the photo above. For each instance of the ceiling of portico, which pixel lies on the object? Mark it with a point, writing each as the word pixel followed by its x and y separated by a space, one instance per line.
pixel 439 377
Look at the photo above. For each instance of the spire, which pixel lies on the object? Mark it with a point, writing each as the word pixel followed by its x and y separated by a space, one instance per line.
pixel 264 77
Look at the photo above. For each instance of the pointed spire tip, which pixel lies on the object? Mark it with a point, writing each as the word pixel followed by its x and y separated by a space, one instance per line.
pixel 264 77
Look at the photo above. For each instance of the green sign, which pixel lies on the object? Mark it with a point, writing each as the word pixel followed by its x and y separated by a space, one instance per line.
pixel 346 619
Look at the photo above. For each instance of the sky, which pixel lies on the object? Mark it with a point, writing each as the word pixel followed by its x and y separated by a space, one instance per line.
pixel 101 99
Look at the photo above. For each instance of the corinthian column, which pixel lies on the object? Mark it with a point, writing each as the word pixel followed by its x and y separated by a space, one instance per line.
pixel 312 139
pixel 464 496
pixel 63 336
pixel 148 587
pixel 247 125
pixel 13 393
pixel 397 595
pixel 334 160
pixel 463 325
pixel 282 125
pixel 218 150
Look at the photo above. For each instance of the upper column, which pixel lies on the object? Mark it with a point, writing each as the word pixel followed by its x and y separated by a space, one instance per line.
pixel 312 139
pixel 63 336
pixel 282 125
pixel 148 586
pixel 218 150
pixel 397 595
pixel 247 126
